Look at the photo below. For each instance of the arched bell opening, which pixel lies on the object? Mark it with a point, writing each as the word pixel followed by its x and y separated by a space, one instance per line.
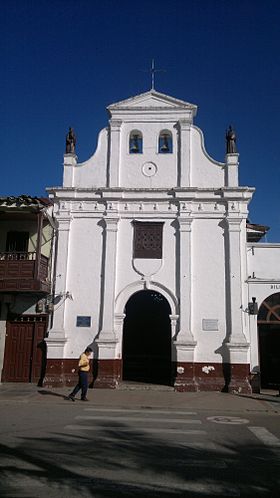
pixel 135 142
pixel 269 342
pixel 147 339
pixel 165 145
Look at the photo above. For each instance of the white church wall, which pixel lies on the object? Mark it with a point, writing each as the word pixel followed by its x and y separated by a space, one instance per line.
pixel 84 282
pixel 208 288
pixel 93 172
pixel 263 261
pixel 150 169
pixel 254 347
pixel 125 271
pixel 205 171
pixel 130 270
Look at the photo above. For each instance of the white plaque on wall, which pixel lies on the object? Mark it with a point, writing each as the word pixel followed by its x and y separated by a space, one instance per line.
pixel 210 324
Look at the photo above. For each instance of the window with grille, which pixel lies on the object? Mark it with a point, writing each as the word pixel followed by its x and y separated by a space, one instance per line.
pixel 148 240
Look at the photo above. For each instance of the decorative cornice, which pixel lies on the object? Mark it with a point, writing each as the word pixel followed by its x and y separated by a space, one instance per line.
pixel 111 224
pixel 115 124
pixel 173 103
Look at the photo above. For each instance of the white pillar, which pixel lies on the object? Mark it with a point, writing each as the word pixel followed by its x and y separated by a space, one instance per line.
pixel 114 160
pixel 231 170
pixel 185 343
pixel 57 336
pixel 236 340
pixel 174 323
pixel 119 319
pixel 107 338
pixel 184 153
pixel 70 162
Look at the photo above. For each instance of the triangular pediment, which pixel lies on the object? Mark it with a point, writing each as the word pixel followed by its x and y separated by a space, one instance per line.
pixel 150 100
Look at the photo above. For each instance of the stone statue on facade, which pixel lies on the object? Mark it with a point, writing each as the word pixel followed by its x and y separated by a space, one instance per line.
pixel 70 142
pixel 230 141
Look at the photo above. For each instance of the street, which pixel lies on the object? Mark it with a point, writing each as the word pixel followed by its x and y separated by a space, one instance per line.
pixel 52 447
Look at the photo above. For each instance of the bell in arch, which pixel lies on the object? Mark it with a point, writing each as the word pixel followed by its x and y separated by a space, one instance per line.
pixel 164 147
pixel 135 144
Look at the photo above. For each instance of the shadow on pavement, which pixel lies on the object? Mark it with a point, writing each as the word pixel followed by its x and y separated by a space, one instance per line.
pixel 112 463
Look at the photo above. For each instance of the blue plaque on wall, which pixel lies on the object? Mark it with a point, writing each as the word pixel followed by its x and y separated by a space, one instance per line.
pixel 83 321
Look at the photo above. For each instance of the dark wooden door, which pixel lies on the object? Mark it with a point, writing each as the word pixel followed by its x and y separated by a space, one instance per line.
pixel 39 353
pixel 24 356
pixel 147 339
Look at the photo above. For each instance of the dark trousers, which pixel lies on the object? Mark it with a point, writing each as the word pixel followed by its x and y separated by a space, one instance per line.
pixel 82 384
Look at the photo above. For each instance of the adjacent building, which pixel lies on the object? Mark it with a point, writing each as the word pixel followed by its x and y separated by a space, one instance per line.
pixel 26 241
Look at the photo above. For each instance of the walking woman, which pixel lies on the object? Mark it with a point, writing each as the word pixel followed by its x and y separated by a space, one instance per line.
pixel 84 368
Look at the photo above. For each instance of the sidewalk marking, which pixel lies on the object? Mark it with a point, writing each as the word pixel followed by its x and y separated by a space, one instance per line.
pixel 139 419
pixel 151 410
pixel 115 438
pixel 203 445
pixel 228 420
pixel 131 429
pixel 209 464
pixel 265 437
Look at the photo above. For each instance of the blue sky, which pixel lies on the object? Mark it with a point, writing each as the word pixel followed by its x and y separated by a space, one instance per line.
pixel 64 61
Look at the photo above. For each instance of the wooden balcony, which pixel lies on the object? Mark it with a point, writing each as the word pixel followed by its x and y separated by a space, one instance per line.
pixel 23 272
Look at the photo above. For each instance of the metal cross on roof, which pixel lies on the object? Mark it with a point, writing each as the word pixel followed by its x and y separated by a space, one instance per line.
pixel 153 70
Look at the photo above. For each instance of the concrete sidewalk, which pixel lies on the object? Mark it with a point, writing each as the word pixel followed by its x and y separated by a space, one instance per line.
pixel 145 396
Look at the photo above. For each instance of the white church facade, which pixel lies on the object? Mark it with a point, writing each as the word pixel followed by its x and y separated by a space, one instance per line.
pixel 153 268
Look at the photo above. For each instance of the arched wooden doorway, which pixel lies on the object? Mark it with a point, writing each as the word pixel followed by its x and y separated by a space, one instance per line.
pixel 147 339
pixel 269 341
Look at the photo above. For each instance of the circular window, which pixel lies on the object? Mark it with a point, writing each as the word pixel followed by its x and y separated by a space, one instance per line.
pixel 149 169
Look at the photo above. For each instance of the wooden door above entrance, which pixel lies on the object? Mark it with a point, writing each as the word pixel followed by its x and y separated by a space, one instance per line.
pixel 147 339
pixel 25 353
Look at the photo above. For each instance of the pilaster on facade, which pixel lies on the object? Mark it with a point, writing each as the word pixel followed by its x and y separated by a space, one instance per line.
pixel 231 170
pixel 236 339
pixel 107 336
pixel 57 336
pixel 174 320
pixel 185 342
pixel 184 179
pixel 69 163
pixel 114 152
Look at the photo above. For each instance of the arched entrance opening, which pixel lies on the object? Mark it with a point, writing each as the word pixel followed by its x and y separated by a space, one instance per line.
pixel 269 341
pixel 147 339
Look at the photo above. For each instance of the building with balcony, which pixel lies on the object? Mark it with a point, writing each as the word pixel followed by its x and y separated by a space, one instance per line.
pixel 26 242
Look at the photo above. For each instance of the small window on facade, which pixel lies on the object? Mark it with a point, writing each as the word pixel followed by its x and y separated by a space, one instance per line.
pixel 148 240
pixel 135 142
pixel 165 142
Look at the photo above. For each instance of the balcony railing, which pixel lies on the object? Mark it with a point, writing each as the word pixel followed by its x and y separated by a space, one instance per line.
pixel 21 271
pixel 17 255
